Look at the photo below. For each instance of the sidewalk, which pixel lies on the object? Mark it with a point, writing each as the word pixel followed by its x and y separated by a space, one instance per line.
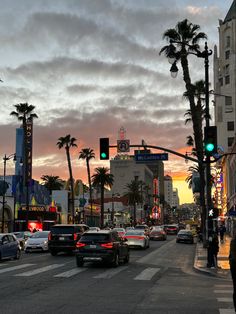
pixel 200 262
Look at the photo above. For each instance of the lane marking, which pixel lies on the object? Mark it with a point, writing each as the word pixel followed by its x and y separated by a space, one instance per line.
pixel 5 270
pixel 110 273
pixel 39 270
pixel 223 286
pixel 227 311
pixel 70 273
pixel 223 291
pixel 147 274
pixel 229 300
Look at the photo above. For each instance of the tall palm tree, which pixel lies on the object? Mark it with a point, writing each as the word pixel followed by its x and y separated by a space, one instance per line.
pixel 88 154
pixel 24 113
pixel 102 178
pixel 134 195
pixel 69 142
pixel 52 182
pixel 183 40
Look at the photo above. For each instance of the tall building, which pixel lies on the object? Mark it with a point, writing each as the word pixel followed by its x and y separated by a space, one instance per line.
pixel 175 198
pixel 168 189
pixel 225 80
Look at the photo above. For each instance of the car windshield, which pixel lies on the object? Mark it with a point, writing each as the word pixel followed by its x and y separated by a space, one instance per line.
pixel 157 229
pixel 62 229
pixel 40 234
pixel 184 232
pixel 119 229
pixel 94 237
pixel 134 232
pixel 19 234
pixel 141 227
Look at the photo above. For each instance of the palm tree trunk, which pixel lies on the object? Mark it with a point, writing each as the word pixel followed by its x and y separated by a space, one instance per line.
pixel 102 206
pixel 90 189
pixel 71 184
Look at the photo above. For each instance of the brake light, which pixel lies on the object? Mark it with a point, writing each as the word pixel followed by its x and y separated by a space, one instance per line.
pixel 135 237
pixel 79 244
pixel 75 236
pixel 49 236
pixel 108 245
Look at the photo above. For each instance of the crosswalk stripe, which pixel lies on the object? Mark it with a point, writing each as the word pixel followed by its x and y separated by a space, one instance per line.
pixel 110 272
pixel 223 286
pixel 223 291
pixel 5 270
pixel 39 270
pixel 227 311
pixel 229 300
pixel 147 274
pixel 71 272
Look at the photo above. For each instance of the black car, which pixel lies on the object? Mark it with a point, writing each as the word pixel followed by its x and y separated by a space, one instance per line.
pixel 185 236
pixel 63 238
pixel 102 246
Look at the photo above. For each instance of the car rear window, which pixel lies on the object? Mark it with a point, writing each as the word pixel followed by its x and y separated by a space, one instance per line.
pixel 96 237
pixel 63 230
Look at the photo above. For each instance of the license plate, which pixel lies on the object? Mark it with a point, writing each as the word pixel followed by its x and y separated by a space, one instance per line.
pixel 61 238
pixel 92 246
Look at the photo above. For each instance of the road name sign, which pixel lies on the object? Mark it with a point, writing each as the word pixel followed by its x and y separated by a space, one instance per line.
pixel 150 157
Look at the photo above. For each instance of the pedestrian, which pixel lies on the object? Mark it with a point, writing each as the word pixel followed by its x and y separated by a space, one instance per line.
pixel 232 264
pixel 222 231
pixel 213 249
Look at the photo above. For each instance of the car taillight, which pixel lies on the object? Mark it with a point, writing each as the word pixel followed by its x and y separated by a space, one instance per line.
pixel 108 245
pixel 49 236
pixel 79 244
pixel 75 236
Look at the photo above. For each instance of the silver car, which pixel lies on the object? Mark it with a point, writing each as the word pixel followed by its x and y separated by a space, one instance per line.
pixel 38 242
pixel 137 238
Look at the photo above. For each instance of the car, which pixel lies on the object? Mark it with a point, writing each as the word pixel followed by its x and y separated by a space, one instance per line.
pixel 143 227
pixel 137 238
pixel 103 246
pixel 22 236
pixel 121 231
pixel 94 228
pixel 185 236
pixel 63 237
pixel 38 242
pixel 171 229
pixel 9 246
pixel 157 233
pixel 129 228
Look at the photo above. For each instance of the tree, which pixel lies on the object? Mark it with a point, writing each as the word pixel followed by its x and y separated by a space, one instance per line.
pixel 69 142
pixel 52 182
pixel 184 40
pixel 87 154
pixel 102 178
pixel 134 195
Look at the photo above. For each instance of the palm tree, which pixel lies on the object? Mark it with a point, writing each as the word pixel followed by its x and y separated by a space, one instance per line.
pixel 52 182
pixel 88 154
pixel 69 142
pixel 186 37
pixel 134 195
pixel 102 178
pixel 24 113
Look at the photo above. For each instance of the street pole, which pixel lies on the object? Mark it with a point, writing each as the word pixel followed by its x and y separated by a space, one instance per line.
pixel 112 209
pixel 4 192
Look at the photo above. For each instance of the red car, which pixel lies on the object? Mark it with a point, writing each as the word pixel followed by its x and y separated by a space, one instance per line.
pixel 171 229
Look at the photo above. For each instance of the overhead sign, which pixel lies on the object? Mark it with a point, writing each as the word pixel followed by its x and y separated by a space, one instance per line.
pixel 123 146
pixel 150 157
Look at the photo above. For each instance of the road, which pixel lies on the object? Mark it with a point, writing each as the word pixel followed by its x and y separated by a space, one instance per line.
pixel 160 279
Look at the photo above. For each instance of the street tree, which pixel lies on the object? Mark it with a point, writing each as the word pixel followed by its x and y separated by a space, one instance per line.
pixel 68 142
pixel 52 182
pixel 134 196
pixel 102 178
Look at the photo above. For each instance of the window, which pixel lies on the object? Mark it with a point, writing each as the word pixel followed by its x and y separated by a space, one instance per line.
pixel 230 141
pixel 228 101
pixel 227 79
pixel 230 125
pixel 227 69
pixel 227 54
pixel 221 81
pixel 227 42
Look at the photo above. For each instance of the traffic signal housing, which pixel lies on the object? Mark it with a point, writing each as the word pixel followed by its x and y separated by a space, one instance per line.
pixel 210 140
pixel 104 148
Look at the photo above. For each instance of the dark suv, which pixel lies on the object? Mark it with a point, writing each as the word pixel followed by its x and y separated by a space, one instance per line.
pixel 63 238
pixel 102 246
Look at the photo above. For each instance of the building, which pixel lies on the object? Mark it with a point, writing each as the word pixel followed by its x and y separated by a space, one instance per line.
pixel 168 190
pixel 175 198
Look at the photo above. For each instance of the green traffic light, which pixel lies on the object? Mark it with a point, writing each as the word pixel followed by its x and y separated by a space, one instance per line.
pixel 103 155
pixel 210 147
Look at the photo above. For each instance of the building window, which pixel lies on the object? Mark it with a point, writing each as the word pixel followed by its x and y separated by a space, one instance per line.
pixel 221 81
pixel 230 125
pixel 227 69
pixel 230 141
pixel 227 54
pixel 227 79
pixel 227 42
pixel 228 101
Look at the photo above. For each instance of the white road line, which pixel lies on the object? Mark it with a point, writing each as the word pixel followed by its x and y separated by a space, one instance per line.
pixel 227 311
pixel 229 300
pixel 223 291
pixel 223 286
pixel 39 270
pixel 70 273
pixel 5 270
pixel 110 272
pixel 147 274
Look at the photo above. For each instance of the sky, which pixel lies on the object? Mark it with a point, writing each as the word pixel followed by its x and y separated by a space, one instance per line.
pixel 91 67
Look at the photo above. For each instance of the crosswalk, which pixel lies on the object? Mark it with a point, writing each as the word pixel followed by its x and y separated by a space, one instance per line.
pixel 31 270
pixel 224 297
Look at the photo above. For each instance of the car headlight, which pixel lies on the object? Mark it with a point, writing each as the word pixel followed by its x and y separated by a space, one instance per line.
pixel 45 242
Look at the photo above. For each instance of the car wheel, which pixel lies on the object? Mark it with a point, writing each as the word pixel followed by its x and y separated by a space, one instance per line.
pixel 79 262
pixel 126 259
pixel 18 254
pixel 53 252
pixel 115 262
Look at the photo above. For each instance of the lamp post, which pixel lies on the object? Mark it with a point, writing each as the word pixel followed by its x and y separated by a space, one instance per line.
pixel 5 158
pixel 112 207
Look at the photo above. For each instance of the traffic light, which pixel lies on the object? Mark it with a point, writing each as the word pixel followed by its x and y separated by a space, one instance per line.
pixel 104 148
pixel 210 140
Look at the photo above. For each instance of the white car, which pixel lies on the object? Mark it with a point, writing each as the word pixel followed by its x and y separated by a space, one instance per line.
pixel 38 242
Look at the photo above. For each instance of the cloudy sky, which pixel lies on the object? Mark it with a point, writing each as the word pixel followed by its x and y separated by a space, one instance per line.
pixel 92 66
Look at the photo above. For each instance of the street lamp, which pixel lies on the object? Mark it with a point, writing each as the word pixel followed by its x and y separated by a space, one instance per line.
pixel 5 159
pixel 112 208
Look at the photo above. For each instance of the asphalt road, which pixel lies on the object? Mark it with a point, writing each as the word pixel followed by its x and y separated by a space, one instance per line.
pixel 160 279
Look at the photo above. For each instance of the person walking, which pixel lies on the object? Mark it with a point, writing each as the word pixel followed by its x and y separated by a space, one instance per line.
pixel 222 231
pixel 213 249
pixel 232 264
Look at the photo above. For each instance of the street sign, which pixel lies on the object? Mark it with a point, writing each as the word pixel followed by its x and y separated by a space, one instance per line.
pixel 143 158
pixel 123 146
